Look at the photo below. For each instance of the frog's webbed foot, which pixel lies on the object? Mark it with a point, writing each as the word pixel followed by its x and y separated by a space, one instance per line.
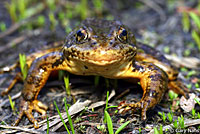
pixel 125 107
pixel 26 108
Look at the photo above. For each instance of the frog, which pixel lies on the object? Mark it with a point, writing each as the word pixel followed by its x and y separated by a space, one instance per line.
pixel 104 48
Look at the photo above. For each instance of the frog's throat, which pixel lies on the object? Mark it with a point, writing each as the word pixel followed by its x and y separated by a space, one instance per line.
pixel 100 56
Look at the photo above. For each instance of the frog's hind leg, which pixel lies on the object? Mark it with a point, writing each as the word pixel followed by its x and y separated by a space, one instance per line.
pixel 178 87
pixel 16 79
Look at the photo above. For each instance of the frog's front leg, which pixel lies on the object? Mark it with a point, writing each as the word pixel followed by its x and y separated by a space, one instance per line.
pixel 36 79
pixel 153 82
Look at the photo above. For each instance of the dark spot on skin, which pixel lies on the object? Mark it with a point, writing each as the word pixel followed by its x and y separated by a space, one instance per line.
pixel 83 55
pixel 134 70
pixel 78 52
pixel 68 65
pixel 87 53
pixel 85 67
pixel 175 75
pixel 137 67
pixel 148 102
pixel 155 77
pixel 44 68
pixel 58 62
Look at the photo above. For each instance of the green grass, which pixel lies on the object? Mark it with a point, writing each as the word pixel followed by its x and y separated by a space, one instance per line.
pixel 196 19
pixel 181 121
pixel 47 125
pixel 108 120
pixel 192 18
pixel 175 124
pixel 196 37
pixel 185 22
pixel 2 27
pixel 67 86
pixel 61 117
pixel 98 6
pixel 172 95
pixel 17 9
pixel 40 20
pixel 82 8
pixel 23 65
pixel 163 116
pixel 170 117
pixel 52 20
pixel 12 105
pixel 155 130
pixel 193 113
pixel 197 101
pixel 198 115
pixel 69 117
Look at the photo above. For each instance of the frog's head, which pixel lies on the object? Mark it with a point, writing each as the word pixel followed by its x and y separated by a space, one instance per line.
pixel 100 42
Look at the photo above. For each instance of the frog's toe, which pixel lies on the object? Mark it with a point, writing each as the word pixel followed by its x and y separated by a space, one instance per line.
pixel 26 108
pixel 125 107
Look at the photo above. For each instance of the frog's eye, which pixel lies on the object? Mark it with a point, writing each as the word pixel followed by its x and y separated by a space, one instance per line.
pixel 81 35
pixel 122 35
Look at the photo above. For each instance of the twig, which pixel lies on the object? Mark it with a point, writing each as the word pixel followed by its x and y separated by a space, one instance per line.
pixel 13 28
pixel 22 129
pixel 12 43
pixel 189 62
pixel 74 109
pixel 17 40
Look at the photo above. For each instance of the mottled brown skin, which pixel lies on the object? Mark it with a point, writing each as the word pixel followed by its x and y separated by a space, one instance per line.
pixel 104 48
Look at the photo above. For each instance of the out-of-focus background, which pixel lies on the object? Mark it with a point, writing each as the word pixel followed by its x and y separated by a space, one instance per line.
pixel 169 25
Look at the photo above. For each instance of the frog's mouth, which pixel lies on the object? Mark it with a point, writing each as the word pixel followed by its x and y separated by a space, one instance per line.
pixel 100 56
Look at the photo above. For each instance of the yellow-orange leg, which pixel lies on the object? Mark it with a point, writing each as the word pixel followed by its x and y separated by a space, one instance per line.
pixel 178 87
pixel 153 82
pixel 36 79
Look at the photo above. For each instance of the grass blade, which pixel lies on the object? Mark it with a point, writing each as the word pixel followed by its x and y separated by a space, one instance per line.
pixel 67 87
pixel 109 123
pixel 47 125
pixel 61 118
pixel 196 19
pixel 69 117
pixel 122 127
